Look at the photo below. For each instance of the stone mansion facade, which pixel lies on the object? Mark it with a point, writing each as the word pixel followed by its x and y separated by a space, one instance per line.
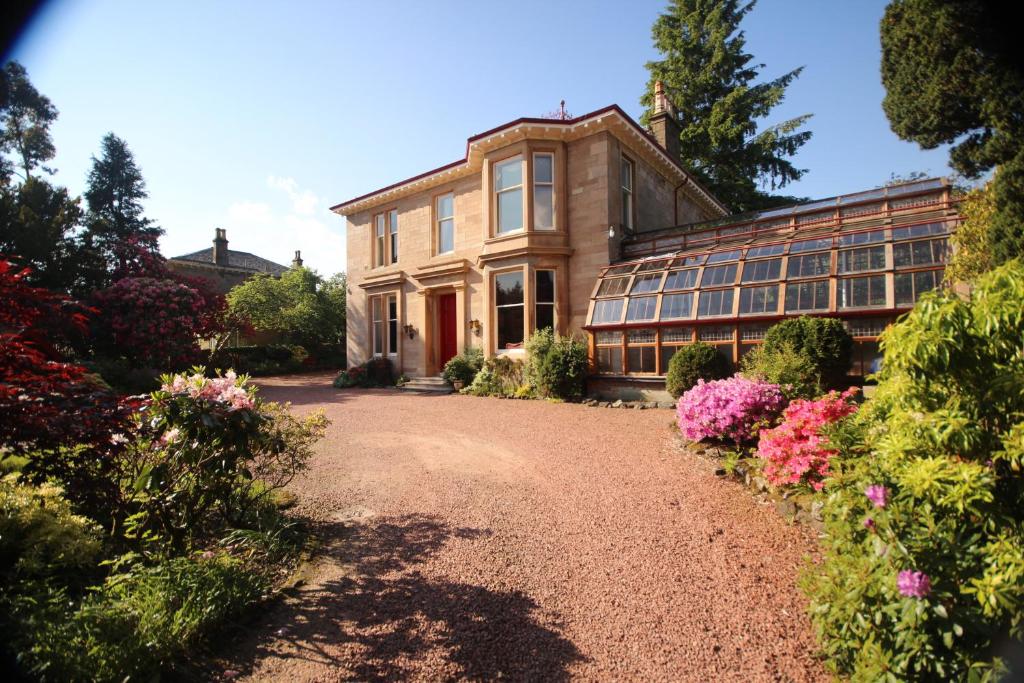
pixel 592 225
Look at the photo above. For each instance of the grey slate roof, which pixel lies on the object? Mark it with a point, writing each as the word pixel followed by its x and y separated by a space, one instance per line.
pixel 236 259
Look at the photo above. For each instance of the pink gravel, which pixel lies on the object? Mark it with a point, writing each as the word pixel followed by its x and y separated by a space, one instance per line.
pixel 476 538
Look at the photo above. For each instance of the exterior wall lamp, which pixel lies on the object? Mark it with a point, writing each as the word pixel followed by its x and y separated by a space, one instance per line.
pixel 475 326
pixel 409 330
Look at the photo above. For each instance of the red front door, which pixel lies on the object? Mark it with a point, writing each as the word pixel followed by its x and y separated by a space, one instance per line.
pixel 446 326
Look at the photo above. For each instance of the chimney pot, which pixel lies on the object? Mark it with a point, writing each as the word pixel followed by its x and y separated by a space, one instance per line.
pixel 665 122
pixel 297 261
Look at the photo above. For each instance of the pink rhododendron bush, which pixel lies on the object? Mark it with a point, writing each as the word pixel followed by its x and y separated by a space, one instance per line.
pixel 797 452
pixel 731 409
pixel 207 453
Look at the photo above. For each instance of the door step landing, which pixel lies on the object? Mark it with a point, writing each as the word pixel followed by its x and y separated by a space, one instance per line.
pixel 427 385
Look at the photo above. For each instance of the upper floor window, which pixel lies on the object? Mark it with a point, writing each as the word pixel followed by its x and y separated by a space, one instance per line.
pixel 445 212
pixel 379 242
pixel 393 230
pixel 627 173
pixel 508 188
pixel 543 192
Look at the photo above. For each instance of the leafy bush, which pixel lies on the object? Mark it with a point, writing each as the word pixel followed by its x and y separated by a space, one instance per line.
pixel 136 624
pixel 731 410
pixel 122 377
pixel 556 366
pixel 464 366
pixel 202 444
pixel 806 356
pixel 151 322
pixel 500 376
pixel 797 451
pixel 40 536
pixel 923 570
pixel 300 306
pixel 695 362
pixel 376 372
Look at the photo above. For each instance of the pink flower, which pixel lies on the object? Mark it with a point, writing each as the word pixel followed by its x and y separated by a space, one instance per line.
pixel 869 524
pixel 170 436
pixel 914 584
pixel 877 494
pixel 727 409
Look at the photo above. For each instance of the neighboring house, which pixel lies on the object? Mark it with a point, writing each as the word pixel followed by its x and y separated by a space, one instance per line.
pixel 225 268
pixel 585 224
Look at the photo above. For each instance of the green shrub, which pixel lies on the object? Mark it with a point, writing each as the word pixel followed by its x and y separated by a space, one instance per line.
pixel 556 366
pixel 124 378
pixel 136 625
pixel 823 344
pixel 376 372
pixel 464 366
pixel 785 366
pixel 40 536
pixel 930 479
pixel 500 376
pixel 693 362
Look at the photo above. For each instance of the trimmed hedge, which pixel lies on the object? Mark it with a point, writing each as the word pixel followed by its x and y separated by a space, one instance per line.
pixel 694 362
pixel 806 356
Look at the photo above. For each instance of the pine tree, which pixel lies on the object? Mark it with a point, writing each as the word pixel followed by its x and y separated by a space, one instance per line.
pixel 710 78
pixel 124 241
pixel 953 75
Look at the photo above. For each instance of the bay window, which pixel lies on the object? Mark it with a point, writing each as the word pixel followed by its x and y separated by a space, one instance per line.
pixel 508 301
pixel 543 192
pixel 544 293
pixel 508 190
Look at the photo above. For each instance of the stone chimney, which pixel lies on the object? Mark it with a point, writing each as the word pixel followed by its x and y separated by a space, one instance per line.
pixel 297 261
pixel 220 247
pixel 665 122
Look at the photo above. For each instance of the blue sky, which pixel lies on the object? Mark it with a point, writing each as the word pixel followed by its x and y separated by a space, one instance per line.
pixel 258 116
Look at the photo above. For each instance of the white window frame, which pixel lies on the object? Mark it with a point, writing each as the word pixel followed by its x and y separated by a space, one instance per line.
pixel 515 188
pixel 627 180
pixel 440 220
pixel 380 241
pixel 550 184
pixel 393 235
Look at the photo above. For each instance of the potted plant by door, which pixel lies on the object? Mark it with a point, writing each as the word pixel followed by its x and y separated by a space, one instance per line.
pixel 457 384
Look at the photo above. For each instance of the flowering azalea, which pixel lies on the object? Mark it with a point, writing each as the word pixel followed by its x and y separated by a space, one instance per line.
pixel 227 389
pixel 877 494
pixel 727 409
pixel 914 584
pixel 796 451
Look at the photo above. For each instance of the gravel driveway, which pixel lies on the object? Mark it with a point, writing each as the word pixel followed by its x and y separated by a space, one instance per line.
pixel 477 538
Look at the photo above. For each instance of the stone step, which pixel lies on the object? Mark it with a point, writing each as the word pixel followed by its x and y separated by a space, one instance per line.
pixel 434 385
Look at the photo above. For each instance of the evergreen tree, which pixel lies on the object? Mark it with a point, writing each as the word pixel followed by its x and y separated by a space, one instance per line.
pixel 38 228
pixel 710 78
pixel 952 75
pixel 121 238
pixel 25 119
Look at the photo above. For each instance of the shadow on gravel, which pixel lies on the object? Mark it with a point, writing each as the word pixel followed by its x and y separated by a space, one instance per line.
pixel 384 620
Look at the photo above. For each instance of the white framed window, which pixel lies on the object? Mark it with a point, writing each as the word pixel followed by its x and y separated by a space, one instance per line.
pixel 543 191
pixel 508 194
pixel 393 231
pixel 445 220
pixel 379 242
pixel 384 328
pixel 509 308
pixel 627 174
pixel 544 295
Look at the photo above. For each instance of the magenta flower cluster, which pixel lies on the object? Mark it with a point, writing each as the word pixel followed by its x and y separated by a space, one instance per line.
pixel 728 409
pixel 877 494
pixel 796 451
pixel 914 584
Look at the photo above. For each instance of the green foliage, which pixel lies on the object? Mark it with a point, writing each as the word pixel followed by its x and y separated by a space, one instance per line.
pixel 40 536
pixel 299 306
pixel 693 362
pixel 117 232
pixel 136 624
pixel 464 366
pixel 805 356
pixel 25 119
pixel 783 365
pixel 711 80
pixel 376 372
pixel 944 434
pixel 971 241
pixel 556 366
pixel 952 76
pixel 500 376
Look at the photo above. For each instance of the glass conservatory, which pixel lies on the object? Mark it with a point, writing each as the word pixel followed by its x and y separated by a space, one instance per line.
pixel 865 258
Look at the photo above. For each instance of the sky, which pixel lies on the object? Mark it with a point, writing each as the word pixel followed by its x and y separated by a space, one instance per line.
pixel 258 116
